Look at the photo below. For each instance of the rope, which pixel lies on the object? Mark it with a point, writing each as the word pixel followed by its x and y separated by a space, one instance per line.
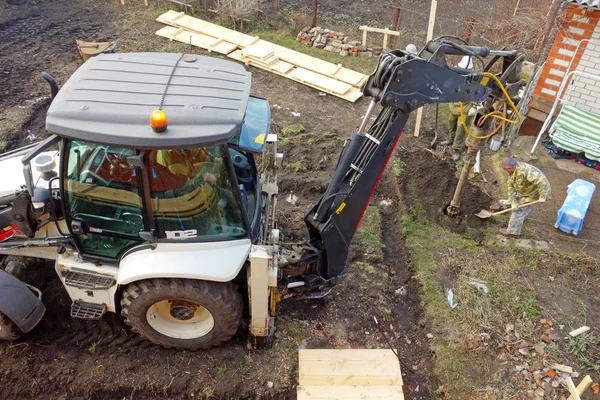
pixel 164 95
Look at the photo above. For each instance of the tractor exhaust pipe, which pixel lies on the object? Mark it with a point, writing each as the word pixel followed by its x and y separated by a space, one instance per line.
pixel 53 86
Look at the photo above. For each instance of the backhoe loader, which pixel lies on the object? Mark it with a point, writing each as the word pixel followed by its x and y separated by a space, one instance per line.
pixel 148 198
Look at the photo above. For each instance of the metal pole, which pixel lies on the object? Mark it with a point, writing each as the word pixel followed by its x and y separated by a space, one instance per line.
pixel 429 37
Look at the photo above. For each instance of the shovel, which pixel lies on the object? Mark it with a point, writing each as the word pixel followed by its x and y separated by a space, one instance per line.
pixel 485 214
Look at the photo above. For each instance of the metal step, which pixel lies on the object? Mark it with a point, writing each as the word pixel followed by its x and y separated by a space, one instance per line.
pixel 88 281
pixel 83 310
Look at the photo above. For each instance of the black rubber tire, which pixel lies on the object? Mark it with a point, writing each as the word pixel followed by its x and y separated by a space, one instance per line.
pixel 222 300
pixel 8 330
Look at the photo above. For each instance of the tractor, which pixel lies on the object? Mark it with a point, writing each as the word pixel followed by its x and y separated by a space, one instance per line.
pixel 148 197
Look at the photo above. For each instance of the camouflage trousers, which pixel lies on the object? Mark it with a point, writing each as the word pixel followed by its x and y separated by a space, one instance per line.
pixel 517 218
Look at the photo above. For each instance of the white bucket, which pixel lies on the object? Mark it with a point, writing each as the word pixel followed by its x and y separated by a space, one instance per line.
pixel 495 144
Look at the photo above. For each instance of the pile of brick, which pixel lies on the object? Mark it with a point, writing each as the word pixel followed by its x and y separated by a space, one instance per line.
pixel 338 42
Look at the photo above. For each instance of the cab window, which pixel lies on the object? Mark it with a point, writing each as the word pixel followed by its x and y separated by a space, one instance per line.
pixel 193 195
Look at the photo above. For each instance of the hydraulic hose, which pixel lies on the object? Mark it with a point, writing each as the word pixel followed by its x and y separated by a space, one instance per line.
pixel 494 114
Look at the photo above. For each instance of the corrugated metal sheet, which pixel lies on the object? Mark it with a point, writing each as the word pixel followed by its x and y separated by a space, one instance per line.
pixel 587 3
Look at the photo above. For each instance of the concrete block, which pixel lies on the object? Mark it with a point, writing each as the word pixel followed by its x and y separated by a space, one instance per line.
pixel 556 72
pixel 541 245
pixel 524 243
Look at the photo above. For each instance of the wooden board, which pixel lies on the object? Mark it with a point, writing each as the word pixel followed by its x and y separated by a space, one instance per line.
pixel 349 374
pixel 322 81
pixel 242 40
pixel 348 367
pixel 280 67
pixel 196 39
pixel 257 52
pixel 283 68
pixel 350 393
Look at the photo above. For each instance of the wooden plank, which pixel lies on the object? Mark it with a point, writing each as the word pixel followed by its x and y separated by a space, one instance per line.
pixel 348 367
pixel 199 40
pixel 282 68
pixel 337 69
pixel 385 40
pixel 348 355
pixel 257 52
pixel 304 75
pixel 562 368
pixel 364 41
pixel 572 388
pixel 279 67
pixel 386 31
pixel 579 331
pixel 582 387
pixel 242 40
pixel 350 393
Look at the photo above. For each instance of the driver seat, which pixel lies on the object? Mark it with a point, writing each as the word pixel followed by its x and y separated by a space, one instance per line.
pixel 161 178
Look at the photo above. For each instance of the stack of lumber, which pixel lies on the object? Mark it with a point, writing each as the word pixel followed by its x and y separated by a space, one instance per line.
pixel 251 50
pixel 349 374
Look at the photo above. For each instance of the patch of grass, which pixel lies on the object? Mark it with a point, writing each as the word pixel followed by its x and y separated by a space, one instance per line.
pixel 222 369
pixel 3 144
pixel 366 65
pixel 92 348
pixel 584 348
pixel 293 129
pixel 208 392
pixel 370 234
pixel 297 166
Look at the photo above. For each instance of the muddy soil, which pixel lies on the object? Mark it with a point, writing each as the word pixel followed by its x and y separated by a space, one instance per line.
pixel 38 36
pixel 433 181
pixel 73 359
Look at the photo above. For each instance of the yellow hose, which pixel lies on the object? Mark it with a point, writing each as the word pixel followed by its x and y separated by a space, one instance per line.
pixel 493 114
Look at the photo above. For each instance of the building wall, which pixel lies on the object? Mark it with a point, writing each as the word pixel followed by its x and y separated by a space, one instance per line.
pixel 584 93
pixel 579 23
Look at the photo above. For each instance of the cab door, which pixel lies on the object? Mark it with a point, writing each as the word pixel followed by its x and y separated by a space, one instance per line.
pixel 102 198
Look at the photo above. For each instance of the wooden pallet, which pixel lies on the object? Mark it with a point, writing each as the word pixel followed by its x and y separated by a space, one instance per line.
pixel 349 374
pixel 327 77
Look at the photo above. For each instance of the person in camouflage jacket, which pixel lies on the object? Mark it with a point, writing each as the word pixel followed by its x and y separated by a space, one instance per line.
pixel 526 183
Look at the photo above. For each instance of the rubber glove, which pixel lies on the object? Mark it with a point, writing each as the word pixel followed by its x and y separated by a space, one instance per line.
pixel 515 207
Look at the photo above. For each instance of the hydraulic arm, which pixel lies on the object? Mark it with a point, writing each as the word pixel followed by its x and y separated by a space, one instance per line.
pixel 401 83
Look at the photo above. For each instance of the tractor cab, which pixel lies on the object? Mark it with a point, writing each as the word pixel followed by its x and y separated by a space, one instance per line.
pixel 157 147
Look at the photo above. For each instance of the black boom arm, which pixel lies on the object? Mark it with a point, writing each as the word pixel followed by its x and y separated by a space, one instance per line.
pixel 401 83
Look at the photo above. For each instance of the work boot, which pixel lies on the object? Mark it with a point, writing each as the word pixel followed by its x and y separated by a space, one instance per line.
pixel 455 155
pixel 496 207
pixel 505 232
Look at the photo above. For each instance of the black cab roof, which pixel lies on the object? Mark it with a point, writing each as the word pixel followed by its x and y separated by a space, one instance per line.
pixel 110 98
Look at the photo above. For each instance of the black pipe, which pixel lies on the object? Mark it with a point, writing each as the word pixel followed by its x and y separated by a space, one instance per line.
pixel 53 86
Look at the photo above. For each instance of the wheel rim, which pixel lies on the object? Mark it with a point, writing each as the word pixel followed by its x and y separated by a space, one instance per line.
pixel 180 319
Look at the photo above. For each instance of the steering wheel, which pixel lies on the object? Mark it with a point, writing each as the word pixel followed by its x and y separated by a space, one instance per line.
pixel 95 175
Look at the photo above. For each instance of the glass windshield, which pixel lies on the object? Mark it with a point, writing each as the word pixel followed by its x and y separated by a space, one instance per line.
pixel 102 197
pixel 193 195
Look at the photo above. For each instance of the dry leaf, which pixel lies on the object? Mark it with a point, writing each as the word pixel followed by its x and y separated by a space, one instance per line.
pixel 596 388
pixel 551 373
